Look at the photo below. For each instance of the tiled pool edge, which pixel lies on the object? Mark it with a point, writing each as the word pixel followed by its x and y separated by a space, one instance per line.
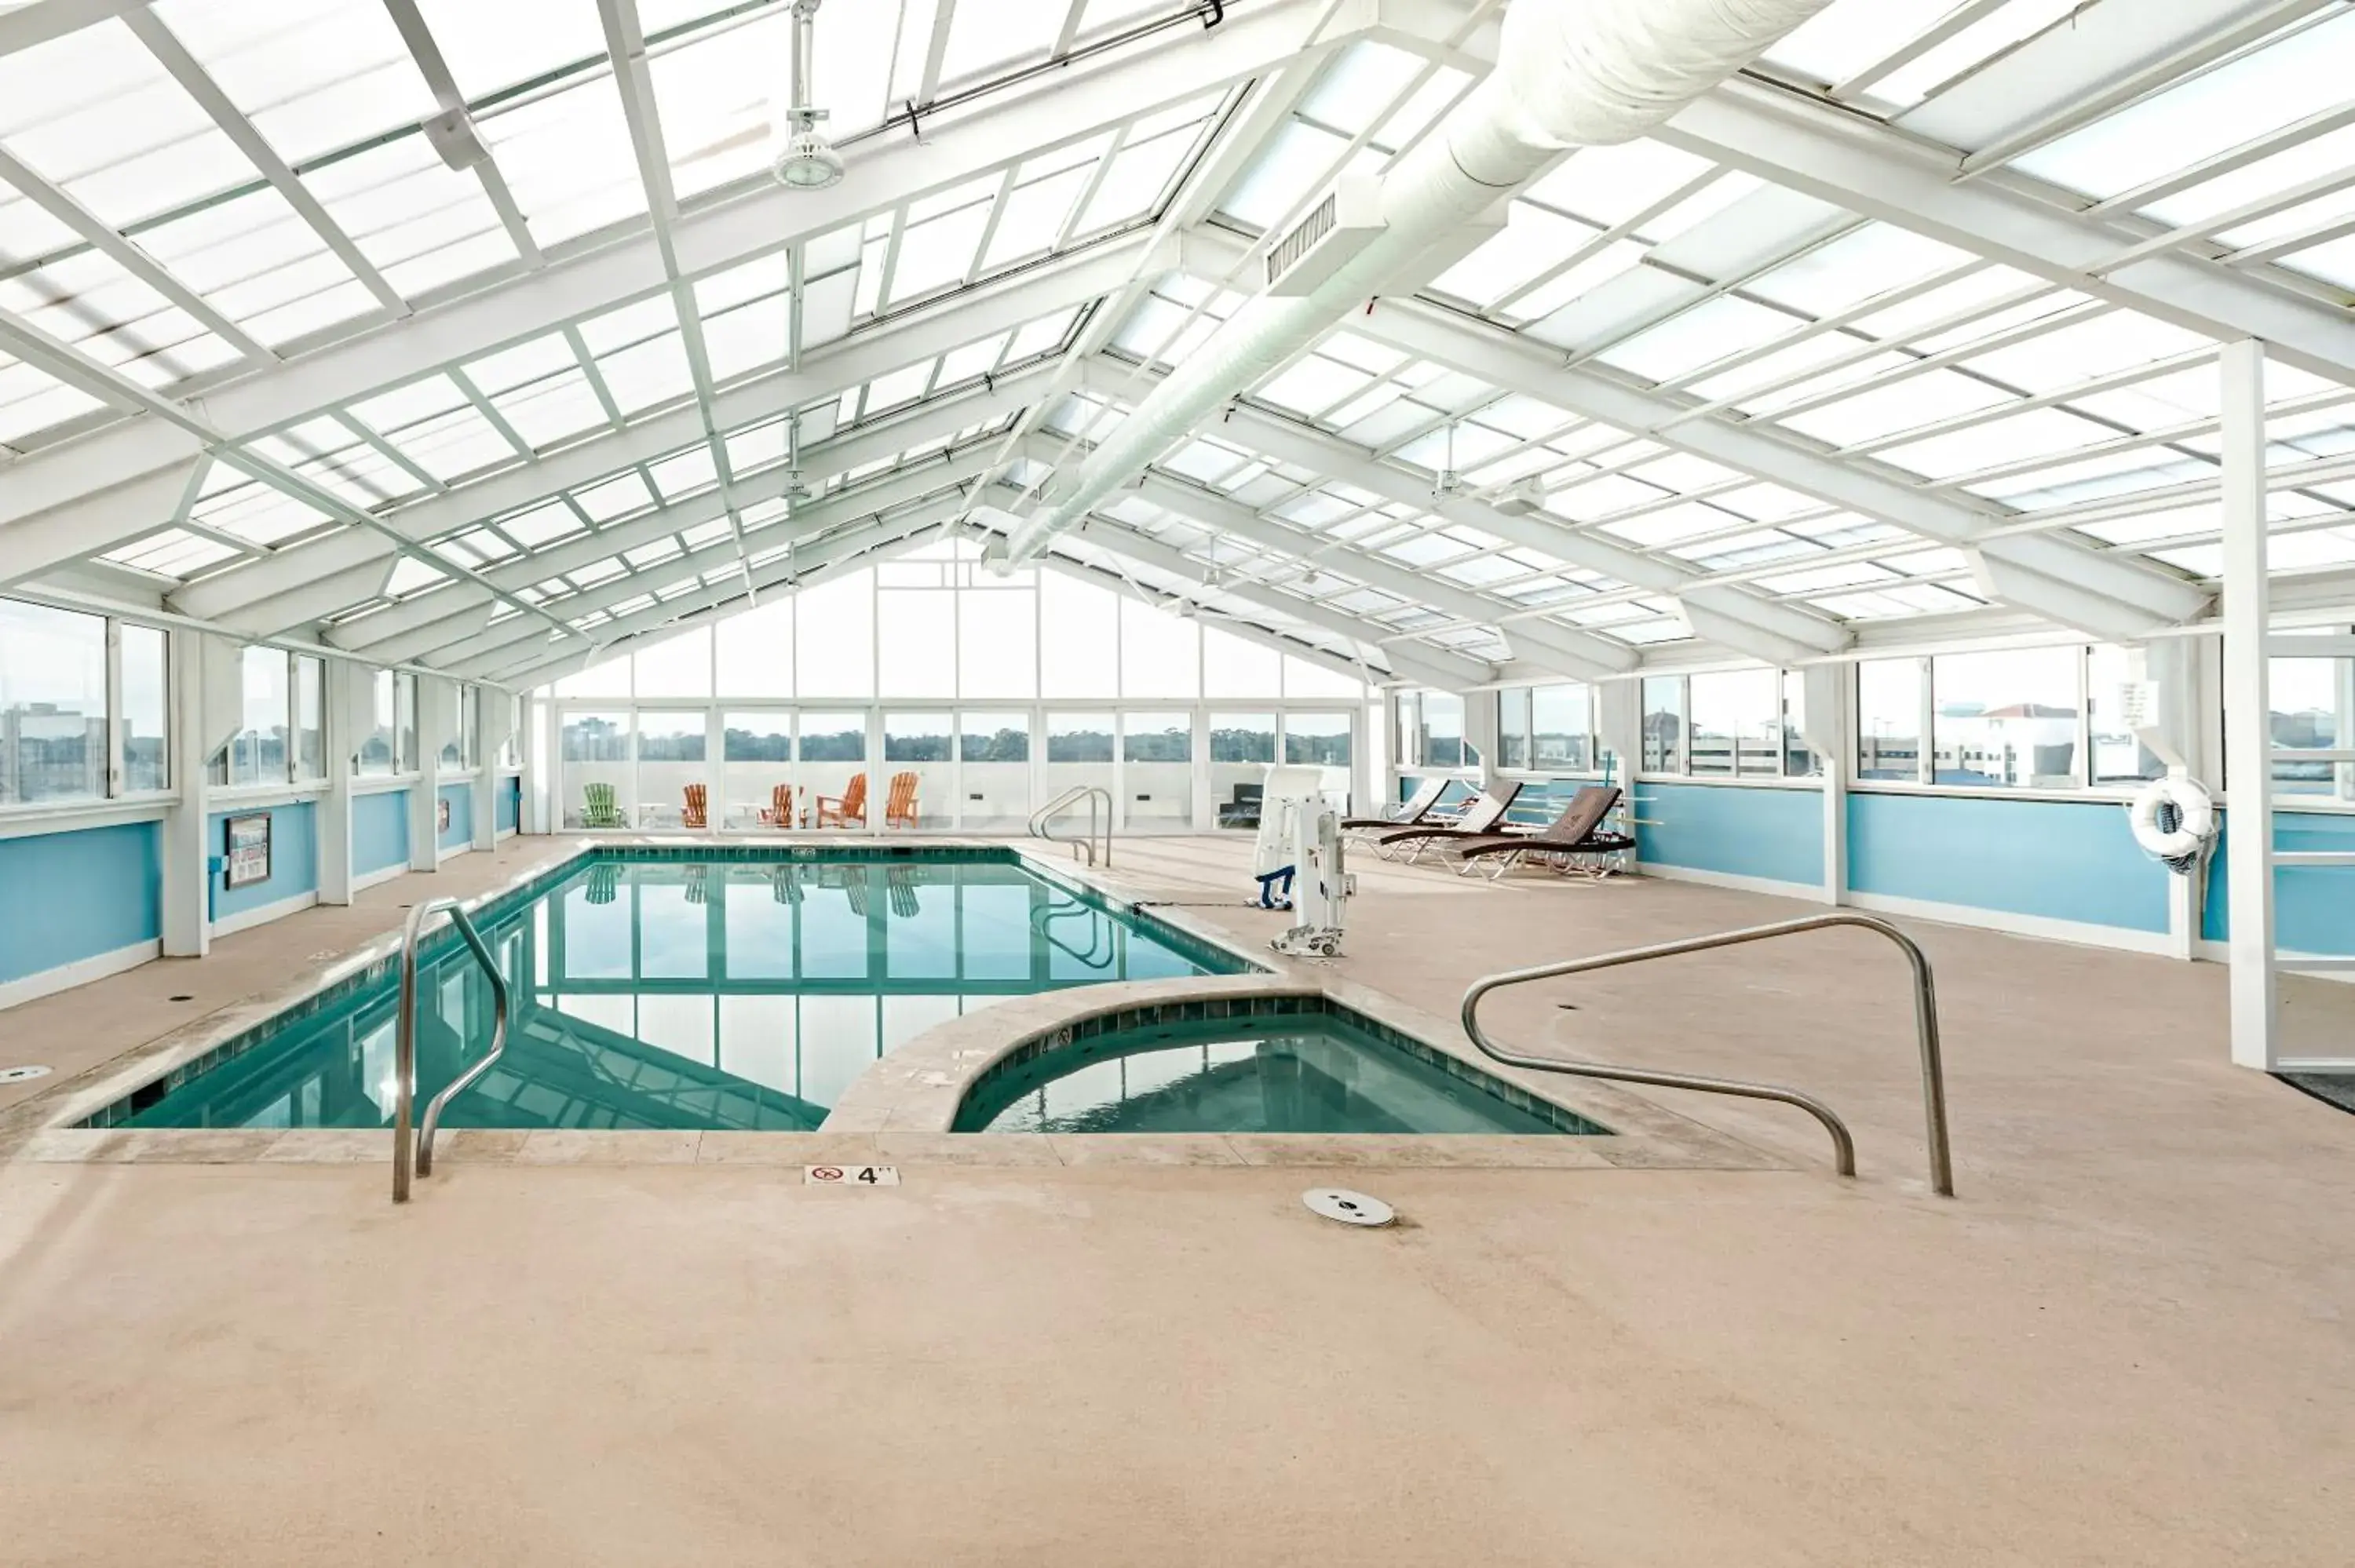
pixel 119 1087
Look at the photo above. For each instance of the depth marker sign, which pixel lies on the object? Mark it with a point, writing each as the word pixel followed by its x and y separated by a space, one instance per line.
pixel 850 1175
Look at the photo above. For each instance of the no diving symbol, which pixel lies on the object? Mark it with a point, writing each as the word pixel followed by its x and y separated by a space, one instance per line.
pixel 851 1175
pixel 826 1173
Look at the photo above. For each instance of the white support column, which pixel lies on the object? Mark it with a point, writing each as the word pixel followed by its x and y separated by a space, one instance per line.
pixel 341 722
pixel 2248 711
pixel 1480 732
pixel 492 720
pixel 187 845
pixel 437 719
pixel 1825 724
pixel 2169 667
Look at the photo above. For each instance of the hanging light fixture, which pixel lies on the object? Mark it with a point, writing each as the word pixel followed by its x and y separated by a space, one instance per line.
pixel 807 161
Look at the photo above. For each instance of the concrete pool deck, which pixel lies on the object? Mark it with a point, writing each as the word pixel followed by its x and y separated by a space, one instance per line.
pixel 2127 1340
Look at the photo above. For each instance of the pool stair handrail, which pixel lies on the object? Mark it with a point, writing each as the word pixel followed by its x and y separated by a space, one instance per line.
pixel 1040 821
pixel 405 1043
pixel 1043 922
pixel 1926 1027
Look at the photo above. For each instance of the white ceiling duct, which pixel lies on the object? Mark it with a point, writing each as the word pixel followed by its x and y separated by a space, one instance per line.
pixel 1574 73
pixel 805 161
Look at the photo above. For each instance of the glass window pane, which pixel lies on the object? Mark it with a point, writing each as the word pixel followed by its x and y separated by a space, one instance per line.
pixel 834 638
pixel 920 744
pixel 1322 740
pixel 310 715
pixel 1562 726
pixel 404 713
pixel 1233 667
pixel 52 703
pixel 1441 743
pixel 1889 719
pixel 1157 769
pixel 1799 761
pixel 1241 747
pixel 993 786
pixel 1078 639
pixel 1736 722
pixel 594 752
pixel 1513 727
pixel 146 694
pixel 609 678
pixel 670 765
pixel 833 752
pixel 998 643
pixel 916 642
pixel 376 747
pixel 680 667
pixel 1664 724
pixel 1160 654
pixel 2007 719
pixel 755 651
pixel 259 754
pixel 756 756
pixel 1305 678
pixel 2309 699
pixel 2118 757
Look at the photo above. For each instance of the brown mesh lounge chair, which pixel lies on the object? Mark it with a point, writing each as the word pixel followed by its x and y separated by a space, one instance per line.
pixel 1479 820
pixel 1577 832
pixel 1416 808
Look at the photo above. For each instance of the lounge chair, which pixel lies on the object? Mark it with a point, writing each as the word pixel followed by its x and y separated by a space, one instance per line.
pixel 899 805
pixel 597 807
pixel 778 812
pixel 1480 820
pixel 1416 808
pixel 899 882
pixel 846 809
pixel 696 812
pixel 1577 832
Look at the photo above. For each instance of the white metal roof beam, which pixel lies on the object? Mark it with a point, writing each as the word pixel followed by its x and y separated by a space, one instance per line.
pixel 1577 654
pixel 958 146
pixel 1841 158
pixel 1507 361
pixel 1453 670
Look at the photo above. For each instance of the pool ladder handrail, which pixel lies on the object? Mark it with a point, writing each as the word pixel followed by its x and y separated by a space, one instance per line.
pixel 1926 1027
pixel 1092 792
pixel 1043 922
pixel 404 1065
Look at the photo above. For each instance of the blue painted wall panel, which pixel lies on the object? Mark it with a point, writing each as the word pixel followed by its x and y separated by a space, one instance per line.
pixel 293 858
pixel 1740 831
pixel 461 830
pixel 508 802
pixel 74 895
pixel 379 831
pixel 2314 906
pixel 2060 860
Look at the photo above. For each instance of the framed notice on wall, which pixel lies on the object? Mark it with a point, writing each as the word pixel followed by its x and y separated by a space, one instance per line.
pixel 441 815
pixel 247 852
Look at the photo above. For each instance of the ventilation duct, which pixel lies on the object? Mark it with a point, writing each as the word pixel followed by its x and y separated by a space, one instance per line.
pixel 1571 73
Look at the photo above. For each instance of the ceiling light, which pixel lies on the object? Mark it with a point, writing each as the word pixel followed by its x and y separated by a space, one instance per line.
pixel 807 161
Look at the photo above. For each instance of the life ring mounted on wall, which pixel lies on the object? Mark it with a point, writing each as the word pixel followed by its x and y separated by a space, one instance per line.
pixel 2174 817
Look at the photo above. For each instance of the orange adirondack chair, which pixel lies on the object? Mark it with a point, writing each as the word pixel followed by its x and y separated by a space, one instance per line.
pixel 779 811
pixel 846 809
pixel 697 813
pixel 900 806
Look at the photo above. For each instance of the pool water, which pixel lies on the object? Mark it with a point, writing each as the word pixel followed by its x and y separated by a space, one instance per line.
pixel 1316 1072
pixel 728 994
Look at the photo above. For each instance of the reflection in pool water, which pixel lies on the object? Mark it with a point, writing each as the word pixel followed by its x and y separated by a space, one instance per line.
pixel 735 994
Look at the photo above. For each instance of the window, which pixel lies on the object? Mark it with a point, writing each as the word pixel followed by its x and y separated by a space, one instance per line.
pixel 404 719
pixel 2006 719
pixel 1889 700
pixel 916 642
pixel 1078 639
pixel 309 718
pixel 1437 739
pixel 376 752
pixel 1513 727
pixel 1664 724
pixel 1160 654
pixel 52 704
pixel 678 667
pixel 1561 729
pixel 147 691
pixel 2312 703
pixel 458 753
pixel 511 749
pixel 1737 723
pixel 259 754
pixel 1799 761
pixel 2118 758
pixel 834 638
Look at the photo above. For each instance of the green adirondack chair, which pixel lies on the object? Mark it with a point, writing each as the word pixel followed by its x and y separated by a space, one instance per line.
pixel 598 809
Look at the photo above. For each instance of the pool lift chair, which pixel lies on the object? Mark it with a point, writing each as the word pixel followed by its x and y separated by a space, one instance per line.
pixel 1297 861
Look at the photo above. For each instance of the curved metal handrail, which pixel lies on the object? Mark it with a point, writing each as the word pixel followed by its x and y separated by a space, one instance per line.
pixel 405 1043
pixel 1043 922
pixel 1925 1025
pixel 1092 792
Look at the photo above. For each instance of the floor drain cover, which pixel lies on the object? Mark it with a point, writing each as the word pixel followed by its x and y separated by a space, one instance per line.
pixel 19 1074
pixel 1350 1207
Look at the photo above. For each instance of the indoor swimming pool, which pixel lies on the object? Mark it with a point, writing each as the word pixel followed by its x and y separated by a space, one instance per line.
pixel 653 989
pixel 1283 1064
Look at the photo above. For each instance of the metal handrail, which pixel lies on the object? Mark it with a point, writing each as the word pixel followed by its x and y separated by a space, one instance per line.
pixel 404 1067
pixel 1043 922
pixel 1092 792
pixel 1925 1027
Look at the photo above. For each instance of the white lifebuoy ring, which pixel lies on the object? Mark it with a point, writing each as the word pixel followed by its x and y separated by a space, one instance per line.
pixel 2195 817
